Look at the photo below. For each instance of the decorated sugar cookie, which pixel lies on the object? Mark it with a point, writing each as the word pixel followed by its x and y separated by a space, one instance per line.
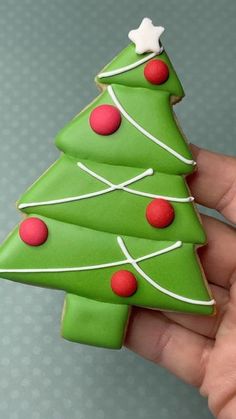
pixel 112 222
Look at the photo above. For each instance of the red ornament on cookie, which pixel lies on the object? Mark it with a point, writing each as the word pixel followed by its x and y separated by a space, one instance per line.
pixel 160 213
pixel 156 72
pixel 123 283
pixel 105 119
pixel 33 231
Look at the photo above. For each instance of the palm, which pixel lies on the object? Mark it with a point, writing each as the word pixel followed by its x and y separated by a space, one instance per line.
pixel 202 350
pixel 219 379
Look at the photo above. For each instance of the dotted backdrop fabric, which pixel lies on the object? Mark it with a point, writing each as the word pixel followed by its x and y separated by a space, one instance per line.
pixel 50 52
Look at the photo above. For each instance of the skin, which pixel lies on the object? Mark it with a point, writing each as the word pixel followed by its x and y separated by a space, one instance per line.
pixel 202 350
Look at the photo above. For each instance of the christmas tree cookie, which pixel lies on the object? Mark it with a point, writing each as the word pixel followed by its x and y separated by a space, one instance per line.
pixel 112 222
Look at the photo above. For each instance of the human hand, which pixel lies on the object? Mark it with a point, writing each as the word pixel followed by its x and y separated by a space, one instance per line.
pixel 202 350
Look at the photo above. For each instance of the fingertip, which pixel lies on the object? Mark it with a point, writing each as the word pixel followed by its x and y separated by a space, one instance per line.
pixel 213 183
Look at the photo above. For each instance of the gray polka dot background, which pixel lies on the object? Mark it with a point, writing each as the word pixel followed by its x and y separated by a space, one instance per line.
pixel 50 52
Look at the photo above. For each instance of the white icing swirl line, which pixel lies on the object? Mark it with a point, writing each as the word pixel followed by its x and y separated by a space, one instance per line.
pixel 123 185
pixel 128 260
pixel 135 265
pixel 112 187
pixel 93 267
pixel 143 131
pixel 130 66
pixel 148 172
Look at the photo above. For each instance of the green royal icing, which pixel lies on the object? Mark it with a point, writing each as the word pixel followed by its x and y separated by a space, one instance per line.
pixel 110 321
pixel 83 233
pixel 128 146
pixel 75 246
pixel 118 211
pixel 135 77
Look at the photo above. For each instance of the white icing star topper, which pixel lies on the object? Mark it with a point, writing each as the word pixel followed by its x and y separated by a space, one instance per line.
pixel 146 37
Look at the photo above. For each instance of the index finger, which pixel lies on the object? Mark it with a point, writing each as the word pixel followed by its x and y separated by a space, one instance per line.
pixel 214 183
